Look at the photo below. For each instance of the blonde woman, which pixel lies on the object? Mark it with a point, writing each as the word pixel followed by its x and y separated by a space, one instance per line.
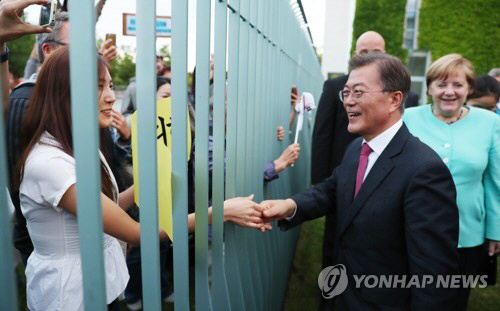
pixel 468 141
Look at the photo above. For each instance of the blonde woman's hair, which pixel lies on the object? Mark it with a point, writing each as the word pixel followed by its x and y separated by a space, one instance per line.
pixel 450 64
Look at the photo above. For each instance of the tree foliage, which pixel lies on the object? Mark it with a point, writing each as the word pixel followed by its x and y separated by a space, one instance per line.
pixel 468 27
pixel 123 68
pixel 385 17
pixel 165 52
pixel 20 52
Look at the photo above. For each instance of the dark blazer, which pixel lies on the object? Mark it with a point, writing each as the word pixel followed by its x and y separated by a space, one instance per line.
pixel 404 221
pixel 19 101
pixel 411 100
pixel 330 135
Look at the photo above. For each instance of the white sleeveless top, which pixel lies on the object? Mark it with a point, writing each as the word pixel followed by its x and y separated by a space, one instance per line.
pixel 53 272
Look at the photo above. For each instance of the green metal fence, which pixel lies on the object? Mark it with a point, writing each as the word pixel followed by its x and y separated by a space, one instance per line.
pixel 262 50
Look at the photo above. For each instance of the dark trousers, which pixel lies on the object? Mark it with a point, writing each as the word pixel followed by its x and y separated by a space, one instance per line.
pixel 469 259
pixel 114 306
pixel 133 292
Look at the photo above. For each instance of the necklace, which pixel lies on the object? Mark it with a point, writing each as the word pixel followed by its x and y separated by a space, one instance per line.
pixel 450 122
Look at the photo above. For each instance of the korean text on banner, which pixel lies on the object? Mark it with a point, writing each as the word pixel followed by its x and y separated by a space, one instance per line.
pixel 163 140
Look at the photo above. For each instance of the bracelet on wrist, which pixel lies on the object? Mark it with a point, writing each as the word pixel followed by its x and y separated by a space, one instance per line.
pixel 4 56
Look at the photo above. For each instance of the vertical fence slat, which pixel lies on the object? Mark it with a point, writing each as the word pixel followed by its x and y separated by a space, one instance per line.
pixel 7 275
pixel 257 152
pixel 148 174
pixel 253 169
pixel 264 75
pixel 242 156
pixel 233 278
pixel 179 153
pixel 278 59
pixel 201 142
pixel 83 75
pixel 220 299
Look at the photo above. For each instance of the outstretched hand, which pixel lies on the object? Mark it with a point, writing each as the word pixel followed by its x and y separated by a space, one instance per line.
pixel 11 25
pixel 245 212
pixel 278 209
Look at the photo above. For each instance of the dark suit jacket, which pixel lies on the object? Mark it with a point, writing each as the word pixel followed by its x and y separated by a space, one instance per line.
pixel 404 221
pixel 330 135
pixel 411 100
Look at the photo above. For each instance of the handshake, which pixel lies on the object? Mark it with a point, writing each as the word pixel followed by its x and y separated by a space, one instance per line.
pixel 244 212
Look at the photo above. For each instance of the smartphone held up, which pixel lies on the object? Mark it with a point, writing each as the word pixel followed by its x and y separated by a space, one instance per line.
pixel 112 37
pixel 48 14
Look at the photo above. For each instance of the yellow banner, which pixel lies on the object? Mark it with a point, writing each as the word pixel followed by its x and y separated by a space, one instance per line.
pixel 164 143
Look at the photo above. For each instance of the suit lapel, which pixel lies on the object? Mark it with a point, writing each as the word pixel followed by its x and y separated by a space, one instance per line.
pixel 351 170
pixel 376 176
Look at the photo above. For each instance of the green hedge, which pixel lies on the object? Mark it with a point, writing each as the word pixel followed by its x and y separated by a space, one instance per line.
pixel 468 27
pixel 385 17
pixel 20 52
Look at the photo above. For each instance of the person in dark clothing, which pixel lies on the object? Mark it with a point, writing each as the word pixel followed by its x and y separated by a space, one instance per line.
pixel 19 100
pixel 331 138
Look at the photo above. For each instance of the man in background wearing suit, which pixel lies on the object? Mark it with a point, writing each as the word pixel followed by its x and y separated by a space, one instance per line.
pixel 330 136
pixel 393 197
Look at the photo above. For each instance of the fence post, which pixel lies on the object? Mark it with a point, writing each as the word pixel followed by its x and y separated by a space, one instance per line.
pixel 7 267
pixel 83 74
pixel 146 145
pixel 220 298
pixel 179 153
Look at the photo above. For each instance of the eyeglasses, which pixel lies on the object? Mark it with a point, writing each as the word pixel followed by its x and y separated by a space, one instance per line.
pixel 343 94
pixel 57 42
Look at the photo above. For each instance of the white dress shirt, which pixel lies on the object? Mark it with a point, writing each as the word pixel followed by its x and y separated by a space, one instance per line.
pixel 379 143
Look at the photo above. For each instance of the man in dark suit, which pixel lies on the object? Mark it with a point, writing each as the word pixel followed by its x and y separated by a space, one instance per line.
pixel 331 138
pixel 393 196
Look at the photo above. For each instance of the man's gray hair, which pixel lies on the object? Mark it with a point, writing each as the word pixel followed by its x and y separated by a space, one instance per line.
pixel 495 72
pixel 394 76
pixel 42 38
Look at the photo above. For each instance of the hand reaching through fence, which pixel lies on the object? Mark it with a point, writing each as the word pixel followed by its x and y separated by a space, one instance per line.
pixel 245 212
pixel 288 157
pixel 12 27
pixel 281 133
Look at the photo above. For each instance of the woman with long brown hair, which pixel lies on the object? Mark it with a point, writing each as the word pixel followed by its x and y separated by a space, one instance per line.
pixel 48 195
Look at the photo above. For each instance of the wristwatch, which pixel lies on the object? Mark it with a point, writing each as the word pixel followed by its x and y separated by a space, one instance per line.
pixel 5 55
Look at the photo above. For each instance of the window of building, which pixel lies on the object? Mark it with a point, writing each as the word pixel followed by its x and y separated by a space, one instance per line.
pixel 418 62
pixel 411 24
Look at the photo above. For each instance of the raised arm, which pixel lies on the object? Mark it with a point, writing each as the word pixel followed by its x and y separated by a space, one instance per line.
pixel 12 27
